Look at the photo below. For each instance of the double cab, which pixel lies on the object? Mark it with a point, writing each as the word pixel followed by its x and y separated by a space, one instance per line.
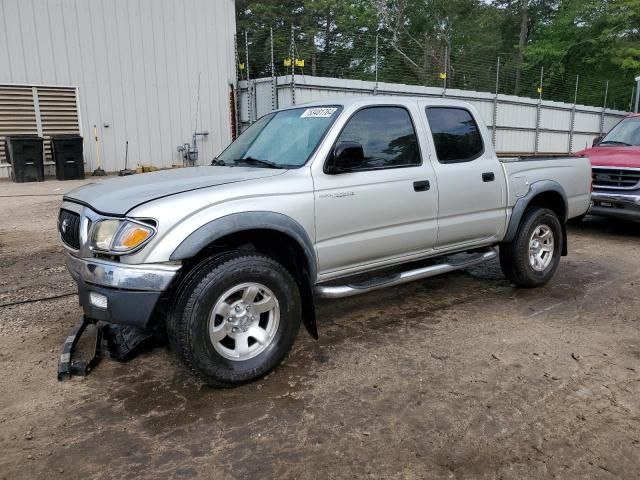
pixel 329 199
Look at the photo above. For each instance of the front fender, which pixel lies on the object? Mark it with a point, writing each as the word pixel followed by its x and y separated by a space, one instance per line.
pixel 238 222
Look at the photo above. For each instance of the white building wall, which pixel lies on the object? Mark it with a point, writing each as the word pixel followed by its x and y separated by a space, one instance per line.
pixel 136 64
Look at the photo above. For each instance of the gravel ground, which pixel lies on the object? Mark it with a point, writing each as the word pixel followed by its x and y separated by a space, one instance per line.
pixel 459 376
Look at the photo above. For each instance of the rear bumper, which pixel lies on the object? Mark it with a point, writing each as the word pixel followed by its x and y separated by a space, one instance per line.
pixel 616 204
pixel 120 293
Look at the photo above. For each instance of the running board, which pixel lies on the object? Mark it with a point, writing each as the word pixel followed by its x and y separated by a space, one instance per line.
pixel 341 291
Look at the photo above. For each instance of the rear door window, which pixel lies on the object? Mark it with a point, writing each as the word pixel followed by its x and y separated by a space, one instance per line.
pixel 455 134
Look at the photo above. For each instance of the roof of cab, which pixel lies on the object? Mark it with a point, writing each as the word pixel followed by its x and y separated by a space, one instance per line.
pixel 361 101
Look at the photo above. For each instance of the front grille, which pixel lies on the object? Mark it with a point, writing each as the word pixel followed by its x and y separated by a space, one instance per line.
pixel 69 228
pixel 616 178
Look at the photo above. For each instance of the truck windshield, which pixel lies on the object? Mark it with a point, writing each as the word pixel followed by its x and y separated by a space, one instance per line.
pixel 626 133
pixel 283 139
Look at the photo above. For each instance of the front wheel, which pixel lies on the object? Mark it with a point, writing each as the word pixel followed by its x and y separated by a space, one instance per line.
pixel 532 258
pixel 235 319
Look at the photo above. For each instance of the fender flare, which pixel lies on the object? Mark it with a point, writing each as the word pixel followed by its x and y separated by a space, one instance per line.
pixel 243 221
pixel 521 205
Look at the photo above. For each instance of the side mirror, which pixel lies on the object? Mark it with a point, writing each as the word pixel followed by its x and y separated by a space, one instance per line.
pixel 597 140
pixel 346 156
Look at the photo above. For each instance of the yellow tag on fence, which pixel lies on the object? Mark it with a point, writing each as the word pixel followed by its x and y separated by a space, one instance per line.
pixel 241 66
pixel 287 62
pixel 443 76
pixel 299 62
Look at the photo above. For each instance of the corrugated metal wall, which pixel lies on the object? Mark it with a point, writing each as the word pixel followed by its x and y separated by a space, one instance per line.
pixel 518 121
pixel 136 64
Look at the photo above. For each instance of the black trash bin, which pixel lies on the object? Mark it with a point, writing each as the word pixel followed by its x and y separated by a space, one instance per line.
pixel 68 156
pixel 24 153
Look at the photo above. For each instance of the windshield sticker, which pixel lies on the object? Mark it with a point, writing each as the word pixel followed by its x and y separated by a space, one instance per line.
pixel 318 112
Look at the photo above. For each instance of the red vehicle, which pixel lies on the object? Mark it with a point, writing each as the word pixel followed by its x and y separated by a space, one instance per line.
pixel 615 163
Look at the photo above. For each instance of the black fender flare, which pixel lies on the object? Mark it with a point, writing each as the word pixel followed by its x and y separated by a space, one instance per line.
pixel 243 221
pixel 522 204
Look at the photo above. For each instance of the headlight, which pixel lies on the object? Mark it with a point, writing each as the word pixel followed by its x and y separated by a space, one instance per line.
pixel 120 236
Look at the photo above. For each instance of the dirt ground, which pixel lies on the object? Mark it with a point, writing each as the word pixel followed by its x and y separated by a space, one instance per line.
pixel 459 376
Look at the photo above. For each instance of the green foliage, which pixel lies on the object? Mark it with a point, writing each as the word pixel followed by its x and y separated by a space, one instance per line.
pixel 420 40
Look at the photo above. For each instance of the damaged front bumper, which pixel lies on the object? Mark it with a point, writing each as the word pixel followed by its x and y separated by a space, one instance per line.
pixel 120 293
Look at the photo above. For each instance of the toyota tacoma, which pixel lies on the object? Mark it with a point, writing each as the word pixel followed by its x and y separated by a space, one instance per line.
pixel 322 200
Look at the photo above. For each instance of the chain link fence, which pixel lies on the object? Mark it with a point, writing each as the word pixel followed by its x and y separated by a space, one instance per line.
pixel 410 61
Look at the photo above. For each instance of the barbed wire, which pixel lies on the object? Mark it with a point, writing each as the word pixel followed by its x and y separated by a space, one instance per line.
pixel 355 56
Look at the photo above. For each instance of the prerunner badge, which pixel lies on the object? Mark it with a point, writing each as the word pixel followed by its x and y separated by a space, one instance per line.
pixel 318 112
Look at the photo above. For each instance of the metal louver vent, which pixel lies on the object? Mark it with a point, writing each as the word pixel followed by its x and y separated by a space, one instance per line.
pixel 43 111
pixel 58 113
pixel 17 113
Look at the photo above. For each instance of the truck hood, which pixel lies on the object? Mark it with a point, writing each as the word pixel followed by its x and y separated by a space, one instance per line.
pixel 117 196
pixel 619 156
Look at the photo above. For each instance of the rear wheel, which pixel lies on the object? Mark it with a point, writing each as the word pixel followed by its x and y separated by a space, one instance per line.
pixel 532 258
pixel 235 319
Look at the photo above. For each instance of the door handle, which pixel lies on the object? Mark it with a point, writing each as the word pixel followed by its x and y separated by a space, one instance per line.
pixel 488 177
pixel 421 186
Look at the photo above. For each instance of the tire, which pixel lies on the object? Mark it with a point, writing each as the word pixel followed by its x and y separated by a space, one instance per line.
pixel 515 259
pixel 224 349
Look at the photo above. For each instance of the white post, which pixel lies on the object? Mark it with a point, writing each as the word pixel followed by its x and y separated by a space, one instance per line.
pixel 637 94
pixel 375 90
pixel 495 105
pixel 604 108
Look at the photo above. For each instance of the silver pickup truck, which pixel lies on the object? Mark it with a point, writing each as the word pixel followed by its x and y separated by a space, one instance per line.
pixel 331 200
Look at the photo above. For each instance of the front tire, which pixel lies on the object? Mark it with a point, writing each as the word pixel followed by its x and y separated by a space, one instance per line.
pixel 235 319
pixel 532 258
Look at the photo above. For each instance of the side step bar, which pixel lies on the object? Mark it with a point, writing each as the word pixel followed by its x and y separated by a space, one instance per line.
pixel 341 291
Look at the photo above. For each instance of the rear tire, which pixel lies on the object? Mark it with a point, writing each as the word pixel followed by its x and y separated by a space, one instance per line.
pixel 235 318
pixel 532 258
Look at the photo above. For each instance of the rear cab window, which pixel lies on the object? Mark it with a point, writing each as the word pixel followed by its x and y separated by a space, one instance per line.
pixel 455 134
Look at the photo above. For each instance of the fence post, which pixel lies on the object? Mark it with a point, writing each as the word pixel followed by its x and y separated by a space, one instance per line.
pixel 604 107
pixel 375 89
pixel 537 139
pixel 274 84
pixel 573 115
pixel 446 67
pixel 238 79
pixel 293 68
pixel 249 92
pixel 495 105
pixel 635 109
pixel 633 91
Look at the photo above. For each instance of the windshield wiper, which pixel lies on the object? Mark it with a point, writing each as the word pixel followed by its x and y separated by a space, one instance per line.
pixel 216 162
pixel 256 161
pixel 616 142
